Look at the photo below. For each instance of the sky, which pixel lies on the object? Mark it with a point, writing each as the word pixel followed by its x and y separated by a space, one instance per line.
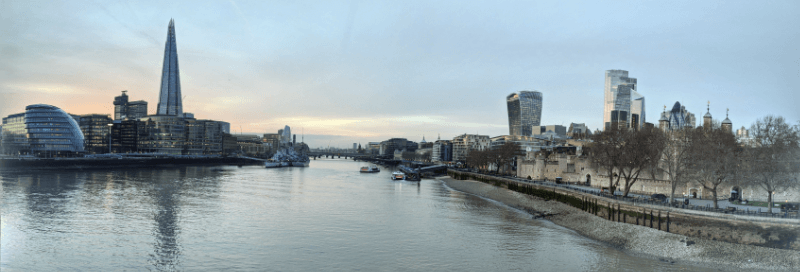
pixel 343 72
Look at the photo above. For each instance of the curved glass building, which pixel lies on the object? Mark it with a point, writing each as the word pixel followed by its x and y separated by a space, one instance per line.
pixel 676 117
pixel 50 129
pixel 524 112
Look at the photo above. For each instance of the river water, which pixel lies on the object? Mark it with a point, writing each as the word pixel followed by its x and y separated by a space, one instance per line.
pixel 327 217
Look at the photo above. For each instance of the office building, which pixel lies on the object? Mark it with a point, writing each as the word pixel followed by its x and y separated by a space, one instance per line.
pixel 95 129
pixel 389 147
pixel 162 134
pixel 442 150
pixel 15 136
pixel 524 112
pixel 577 131
pixel 125 136
pixel 623 105
pixel 273 140
pixel 557 129
pixel 124 109
pixel 465 143
pixel 169 99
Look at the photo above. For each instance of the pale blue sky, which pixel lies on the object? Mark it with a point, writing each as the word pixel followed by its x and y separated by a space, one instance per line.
pixel 370 70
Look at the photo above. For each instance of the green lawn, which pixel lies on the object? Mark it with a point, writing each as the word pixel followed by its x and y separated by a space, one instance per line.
pixel 759 203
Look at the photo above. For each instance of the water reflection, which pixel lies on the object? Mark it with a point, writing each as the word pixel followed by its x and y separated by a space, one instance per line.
pixel 60 204
pixel 166 194
pixel 326 217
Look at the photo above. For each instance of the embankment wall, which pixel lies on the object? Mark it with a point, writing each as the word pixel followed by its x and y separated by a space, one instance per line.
pixel 748 230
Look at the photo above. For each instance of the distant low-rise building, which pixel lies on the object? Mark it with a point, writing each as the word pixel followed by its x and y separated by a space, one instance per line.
pixel 578 130
pixel 95 128
pixel 373 148
pixel 442 151
pixel 465 143
pixel 229 145
pixel 163 134
pixel 124 109
pixel 15 136
pixel 125 136
pixel 389 146
pixel 273 140
pixel 557 129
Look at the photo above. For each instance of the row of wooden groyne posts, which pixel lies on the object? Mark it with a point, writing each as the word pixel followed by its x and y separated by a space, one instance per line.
pixel 586 203
pixel 700 224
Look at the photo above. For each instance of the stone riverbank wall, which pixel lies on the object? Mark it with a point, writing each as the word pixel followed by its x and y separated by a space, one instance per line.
pixel 778 233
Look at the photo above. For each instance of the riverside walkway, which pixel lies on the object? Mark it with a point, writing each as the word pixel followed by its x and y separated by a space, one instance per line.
pixel 638 200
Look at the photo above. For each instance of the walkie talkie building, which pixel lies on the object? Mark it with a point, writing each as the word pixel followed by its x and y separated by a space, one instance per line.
pixel 524 112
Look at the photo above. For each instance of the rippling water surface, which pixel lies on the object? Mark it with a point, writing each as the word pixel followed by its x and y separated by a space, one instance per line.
pixel 327 217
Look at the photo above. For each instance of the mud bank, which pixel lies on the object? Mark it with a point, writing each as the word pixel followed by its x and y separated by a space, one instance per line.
pixel 639 240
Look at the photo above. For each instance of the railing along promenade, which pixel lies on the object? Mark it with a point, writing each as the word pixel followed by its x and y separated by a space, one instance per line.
pixel 792 217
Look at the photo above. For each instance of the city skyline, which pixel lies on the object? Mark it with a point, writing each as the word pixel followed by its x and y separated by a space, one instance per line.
pixel 335 72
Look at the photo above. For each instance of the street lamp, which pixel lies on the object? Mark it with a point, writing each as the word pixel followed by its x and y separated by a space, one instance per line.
pixel 109 137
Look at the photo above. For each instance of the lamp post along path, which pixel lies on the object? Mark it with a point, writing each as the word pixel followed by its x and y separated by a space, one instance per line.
pixel 109 137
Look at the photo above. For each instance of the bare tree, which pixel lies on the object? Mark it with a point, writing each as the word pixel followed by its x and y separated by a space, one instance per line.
pixel 772 162
pixel 504 155
pixel 477 158
pixel 604 152
pixel 640 150
pixel 675 159
pixel 715 159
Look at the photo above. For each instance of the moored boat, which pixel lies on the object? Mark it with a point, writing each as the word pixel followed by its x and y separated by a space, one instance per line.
pixel 398 175
pixel 370 169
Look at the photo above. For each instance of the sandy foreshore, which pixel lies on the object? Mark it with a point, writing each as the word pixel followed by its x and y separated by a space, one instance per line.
pixel 639 240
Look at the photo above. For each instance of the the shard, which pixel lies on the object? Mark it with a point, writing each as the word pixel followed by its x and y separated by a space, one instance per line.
pixel 169 100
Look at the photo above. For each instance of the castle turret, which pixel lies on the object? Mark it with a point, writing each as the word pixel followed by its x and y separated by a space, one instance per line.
pixel 663 123
pixel 726 124
pixel 707 117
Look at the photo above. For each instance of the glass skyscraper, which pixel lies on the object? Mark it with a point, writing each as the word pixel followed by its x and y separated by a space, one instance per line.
pixel 622 104
pixel 169 100
pixel 524 112
pixel 677 118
